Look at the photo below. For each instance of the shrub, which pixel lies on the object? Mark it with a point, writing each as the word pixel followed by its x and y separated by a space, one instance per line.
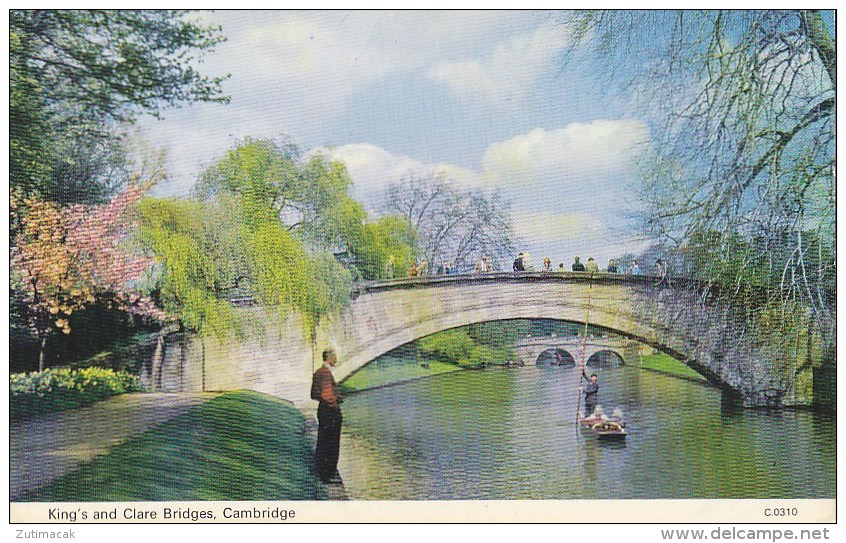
pixel 56 389
pixel 449 346
pixel 482 355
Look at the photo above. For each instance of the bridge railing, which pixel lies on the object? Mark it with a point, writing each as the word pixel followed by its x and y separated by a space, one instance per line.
pixel 524 277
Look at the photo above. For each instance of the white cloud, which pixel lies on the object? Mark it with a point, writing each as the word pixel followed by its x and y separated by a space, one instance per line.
pixel 505 76
pixel 579 151
pixel 372 169
pixel 295 73
pixel 562 227
pixel 333 54
pixel 569 186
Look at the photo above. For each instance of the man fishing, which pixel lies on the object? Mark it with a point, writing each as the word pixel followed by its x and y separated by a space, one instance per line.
pixel 591 390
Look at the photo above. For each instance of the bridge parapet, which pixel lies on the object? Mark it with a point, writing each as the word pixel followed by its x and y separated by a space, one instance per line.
pixel 521 277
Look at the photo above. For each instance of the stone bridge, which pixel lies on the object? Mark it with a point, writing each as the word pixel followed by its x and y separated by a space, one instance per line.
pixel 573 351
pixel 683 319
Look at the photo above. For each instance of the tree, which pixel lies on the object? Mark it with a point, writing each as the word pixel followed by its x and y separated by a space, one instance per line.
pixel 743 108
pixel 384 248
pixel 273 183
pixel 264 225
pixel 740 187
pixel 77 76
pixel 452 224
pixel 67 259
pixel 308 197
pixel 196 248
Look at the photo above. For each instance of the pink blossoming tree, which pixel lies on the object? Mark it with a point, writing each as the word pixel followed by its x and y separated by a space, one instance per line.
pixel 67 259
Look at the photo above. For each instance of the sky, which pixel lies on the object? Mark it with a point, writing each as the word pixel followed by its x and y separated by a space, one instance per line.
pixel 483 98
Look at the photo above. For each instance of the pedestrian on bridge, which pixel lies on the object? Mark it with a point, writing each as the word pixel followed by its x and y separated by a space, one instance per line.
pixel 388 271
pixel 324 389
pixel 635 268
pixel 577 266
pixel 519 264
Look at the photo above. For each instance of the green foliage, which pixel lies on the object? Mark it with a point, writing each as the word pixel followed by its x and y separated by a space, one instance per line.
pixel 389 236
pixel 76 75
pixel 330 216
pixel 261 171
pixel 238 446
pixel 788 339
pixel 187 246
pixel 500 334
pixel 29 168
pixel 32 394
pixel 388 370
pixel 332 283
pixel 475 345
pixel 212 250
pixel 310 199
pixel 665 363
pixel 284 275
pixel 482 355
pixel 448 346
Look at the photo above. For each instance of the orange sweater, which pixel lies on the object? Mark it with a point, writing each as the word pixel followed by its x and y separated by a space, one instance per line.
pixel 324 388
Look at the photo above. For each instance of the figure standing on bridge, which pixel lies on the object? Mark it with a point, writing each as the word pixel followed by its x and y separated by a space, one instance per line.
pixel 635 269
pixel 578 266
pixel 388 272
pixel 483 265
pixel 519 265
pixel 591 266
pixel 324 389
pixel 591 390
pixel 663 272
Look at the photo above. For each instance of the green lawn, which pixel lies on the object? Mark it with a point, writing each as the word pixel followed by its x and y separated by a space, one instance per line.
pixel 386 371
pixel 667 364
pixel 240 445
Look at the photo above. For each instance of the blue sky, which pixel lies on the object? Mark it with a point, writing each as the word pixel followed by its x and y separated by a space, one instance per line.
pixel 481 97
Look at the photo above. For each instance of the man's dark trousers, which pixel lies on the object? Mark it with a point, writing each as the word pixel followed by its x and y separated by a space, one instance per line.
pixel 328 440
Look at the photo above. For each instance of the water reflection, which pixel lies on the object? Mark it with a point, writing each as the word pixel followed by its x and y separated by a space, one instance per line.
pixel 511 434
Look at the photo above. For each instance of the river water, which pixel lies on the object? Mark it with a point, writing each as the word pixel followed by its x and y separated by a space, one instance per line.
pixel 509 433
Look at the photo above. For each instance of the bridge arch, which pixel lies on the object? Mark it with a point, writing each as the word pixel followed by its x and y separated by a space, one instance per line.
pixel 686 320
pixel 555 356
pixel 605 359
pixel 677 320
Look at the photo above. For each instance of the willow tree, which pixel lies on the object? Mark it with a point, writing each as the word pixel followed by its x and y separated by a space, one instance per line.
pixel 742 105
pixel 266 223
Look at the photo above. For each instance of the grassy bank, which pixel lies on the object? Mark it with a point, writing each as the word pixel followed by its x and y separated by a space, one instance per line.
pixel 667 364
pixel 388 371
pixel 238 446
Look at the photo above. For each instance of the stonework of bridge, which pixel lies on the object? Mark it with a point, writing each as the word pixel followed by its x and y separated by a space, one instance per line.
pixel 682 319
pixel 575 350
